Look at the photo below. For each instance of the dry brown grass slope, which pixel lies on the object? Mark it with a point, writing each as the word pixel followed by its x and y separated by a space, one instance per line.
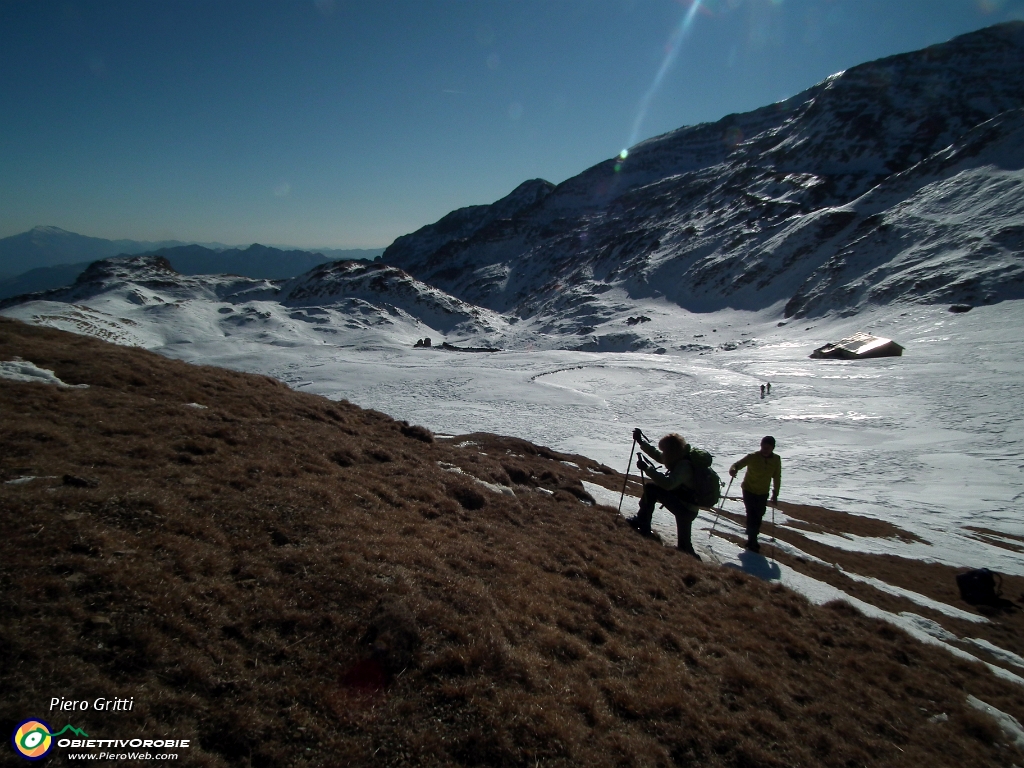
pixel 292 581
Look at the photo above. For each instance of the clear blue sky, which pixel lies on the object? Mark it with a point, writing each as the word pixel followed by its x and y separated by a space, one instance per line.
pixel 346 123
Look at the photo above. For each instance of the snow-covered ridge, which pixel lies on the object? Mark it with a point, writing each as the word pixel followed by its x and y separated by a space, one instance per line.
pixel 335 283
pixel 817 202
pixel 142 301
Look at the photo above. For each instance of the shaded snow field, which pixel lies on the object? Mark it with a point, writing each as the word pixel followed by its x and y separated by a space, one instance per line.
pixel 932 442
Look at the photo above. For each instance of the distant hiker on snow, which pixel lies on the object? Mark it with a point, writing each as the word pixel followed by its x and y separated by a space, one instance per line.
pixel 762 391
pixel 669 489
pixel 764 468
pixel 769 387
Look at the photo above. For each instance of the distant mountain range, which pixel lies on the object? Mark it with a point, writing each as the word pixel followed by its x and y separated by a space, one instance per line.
pixel 49 257
pixel 53 246
pixel 897 180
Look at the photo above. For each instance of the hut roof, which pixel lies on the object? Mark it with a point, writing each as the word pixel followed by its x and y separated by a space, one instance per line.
pixel 858 347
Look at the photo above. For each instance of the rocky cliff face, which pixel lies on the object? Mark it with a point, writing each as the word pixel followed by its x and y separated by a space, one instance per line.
pixel 900 179
pixel 428 247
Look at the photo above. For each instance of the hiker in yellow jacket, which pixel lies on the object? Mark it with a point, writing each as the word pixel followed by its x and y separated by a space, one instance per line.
pixel 764 468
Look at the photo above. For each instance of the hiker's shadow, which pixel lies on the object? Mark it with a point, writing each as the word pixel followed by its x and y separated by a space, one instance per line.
pixel 757 565
pixel 994 606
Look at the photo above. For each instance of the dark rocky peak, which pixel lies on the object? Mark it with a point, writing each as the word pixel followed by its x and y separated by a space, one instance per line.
pixel 521 198
pixel 857 126
pixel 882 117
pixel 756 208
pixel 256 250
pixel 408 251
pixel 127 268
pixel 343 279
pixel 340 270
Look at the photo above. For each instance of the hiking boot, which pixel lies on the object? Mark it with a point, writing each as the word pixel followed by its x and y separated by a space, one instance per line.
pixel 689 551
pixel 753 546
pixel 644 531
pixel 636 525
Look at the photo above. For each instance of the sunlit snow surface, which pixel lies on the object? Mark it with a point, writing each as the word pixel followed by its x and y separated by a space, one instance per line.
pixel 932 441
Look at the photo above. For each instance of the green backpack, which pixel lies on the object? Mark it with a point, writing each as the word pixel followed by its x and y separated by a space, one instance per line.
pixel 708 490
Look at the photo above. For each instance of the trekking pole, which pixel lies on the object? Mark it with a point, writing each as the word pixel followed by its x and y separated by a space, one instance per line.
pixel 626 480
pixel 718 509
pixel 773 532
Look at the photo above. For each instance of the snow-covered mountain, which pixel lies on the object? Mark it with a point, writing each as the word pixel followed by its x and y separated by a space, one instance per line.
pixel 897 180
pixel 143 301
pixel 364 287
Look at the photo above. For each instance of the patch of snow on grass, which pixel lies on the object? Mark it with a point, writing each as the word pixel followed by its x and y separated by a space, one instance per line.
pixel 492 487
pixel 602 495
pixel 1006 656
pixel 1008 723
pixel 915 597
pixel 24 370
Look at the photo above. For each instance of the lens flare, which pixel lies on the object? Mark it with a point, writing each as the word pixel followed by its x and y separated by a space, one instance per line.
pixel 671 51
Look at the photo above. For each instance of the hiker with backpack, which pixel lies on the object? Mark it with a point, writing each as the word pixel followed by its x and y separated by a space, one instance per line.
pixel 764 468
pixel 674 488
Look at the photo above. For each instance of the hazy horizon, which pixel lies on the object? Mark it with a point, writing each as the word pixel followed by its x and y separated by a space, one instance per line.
pixel 204 243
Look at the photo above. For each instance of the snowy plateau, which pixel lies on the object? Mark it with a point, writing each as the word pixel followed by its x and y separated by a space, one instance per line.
pixel 662 290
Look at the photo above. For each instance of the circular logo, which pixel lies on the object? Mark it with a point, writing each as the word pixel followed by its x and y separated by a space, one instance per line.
pixel 32 739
